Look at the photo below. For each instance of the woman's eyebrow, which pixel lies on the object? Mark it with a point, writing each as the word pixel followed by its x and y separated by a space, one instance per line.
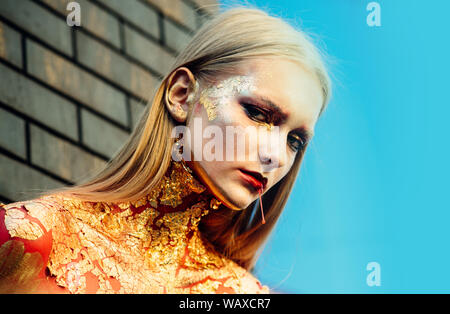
pixel 272 106
pixel 303 132
pixel 280 114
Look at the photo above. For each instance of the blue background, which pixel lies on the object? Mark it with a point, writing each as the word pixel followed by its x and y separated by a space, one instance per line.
pixel 374 182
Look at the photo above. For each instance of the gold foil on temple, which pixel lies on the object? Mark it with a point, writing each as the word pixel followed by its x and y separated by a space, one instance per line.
pixel 219 95
pixel 209 106
pixel 151 245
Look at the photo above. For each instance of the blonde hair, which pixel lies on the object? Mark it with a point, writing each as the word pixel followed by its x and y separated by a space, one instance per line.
pixel 217 49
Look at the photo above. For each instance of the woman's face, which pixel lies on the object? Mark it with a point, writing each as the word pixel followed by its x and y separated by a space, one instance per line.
pixel 253 122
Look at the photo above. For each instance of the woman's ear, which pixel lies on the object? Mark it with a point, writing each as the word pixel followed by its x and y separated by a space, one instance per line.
pixel 180 91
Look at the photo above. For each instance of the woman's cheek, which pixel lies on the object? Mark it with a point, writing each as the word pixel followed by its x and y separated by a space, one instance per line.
pixel 226 116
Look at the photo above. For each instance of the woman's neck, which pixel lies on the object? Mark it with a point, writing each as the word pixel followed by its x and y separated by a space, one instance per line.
pixel 163 225
pixel 179 190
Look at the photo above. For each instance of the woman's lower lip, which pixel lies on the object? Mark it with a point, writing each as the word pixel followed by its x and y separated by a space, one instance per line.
pixel 251 180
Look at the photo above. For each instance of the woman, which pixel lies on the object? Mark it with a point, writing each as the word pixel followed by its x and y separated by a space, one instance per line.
pixel 178 210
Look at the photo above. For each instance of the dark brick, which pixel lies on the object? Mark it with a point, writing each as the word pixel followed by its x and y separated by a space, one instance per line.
pixel 19 182
pixel 148 52
pixel 61 157
pixel 101 136
pixel 71 80
pixel 10 45
pixel 12 133
pixel 175 37
pixel 37 102
pixel 39 22
pixel 115 67
pixel 93 18
pixel 177 10
pixel 137 13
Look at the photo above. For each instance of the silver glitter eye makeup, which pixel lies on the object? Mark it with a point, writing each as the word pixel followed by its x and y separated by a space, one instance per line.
pixel 220 94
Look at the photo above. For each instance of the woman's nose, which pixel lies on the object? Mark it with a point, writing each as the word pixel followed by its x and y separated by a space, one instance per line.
pixel 271 161
pixel 271 150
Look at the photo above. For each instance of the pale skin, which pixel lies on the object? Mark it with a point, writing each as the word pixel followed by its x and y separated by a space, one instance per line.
pixel 59 236
pixel 287 84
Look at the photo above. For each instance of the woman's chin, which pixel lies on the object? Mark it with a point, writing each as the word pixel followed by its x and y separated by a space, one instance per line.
pixel 240 197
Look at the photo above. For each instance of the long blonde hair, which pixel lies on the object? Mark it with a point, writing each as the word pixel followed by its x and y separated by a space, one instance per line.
pixel 217 49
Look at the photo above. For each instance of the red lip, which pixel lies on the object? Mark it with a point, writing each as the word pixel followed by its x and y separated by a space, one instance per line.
pixel 257 180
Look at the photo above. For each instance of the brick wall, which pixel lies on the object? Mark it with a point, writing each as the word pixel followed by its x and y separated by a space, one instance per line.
pixel 70 96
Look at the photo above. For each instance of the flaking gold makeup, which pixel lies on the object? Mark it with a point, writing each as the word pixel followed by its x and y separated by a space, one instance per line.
pixel 216 97
pixel 269 126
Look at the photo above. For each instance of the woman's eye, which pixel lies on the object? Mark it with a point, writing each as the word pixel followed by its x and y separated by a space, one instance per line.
pixel 296 143
pixel 254 113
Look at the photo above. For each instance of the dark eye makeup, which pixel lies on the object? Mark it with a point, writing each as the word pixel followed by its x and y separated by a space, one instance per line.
pixel 295 142
pixel 254 113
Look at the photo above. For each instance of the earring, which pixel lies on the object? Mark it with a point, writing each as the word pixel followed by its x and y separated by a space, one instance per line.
pixel 177 149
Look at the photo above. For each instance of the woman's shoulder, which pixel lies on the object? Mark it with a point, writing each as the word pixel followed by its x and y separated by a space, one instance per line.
pixel 30 219
pixel 30 222
pixel 25 242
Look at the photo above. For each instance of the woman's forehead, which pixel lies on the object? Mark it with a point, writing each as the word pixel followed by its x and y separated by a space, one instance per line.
pixel 287 84
pixel 282 83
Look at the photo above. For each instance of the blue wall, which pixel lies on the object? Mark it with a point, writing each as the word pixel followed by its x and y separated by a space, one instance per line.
pixel 374 182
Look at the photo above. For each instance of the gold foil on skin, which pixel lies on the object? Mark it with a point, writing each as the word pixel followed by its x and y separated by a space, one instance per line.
pixel 220 94
pixel 124 248
pixel 114 248
pixel 19 226
pixel 215 99
pixel 268 126
pixel 86 242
